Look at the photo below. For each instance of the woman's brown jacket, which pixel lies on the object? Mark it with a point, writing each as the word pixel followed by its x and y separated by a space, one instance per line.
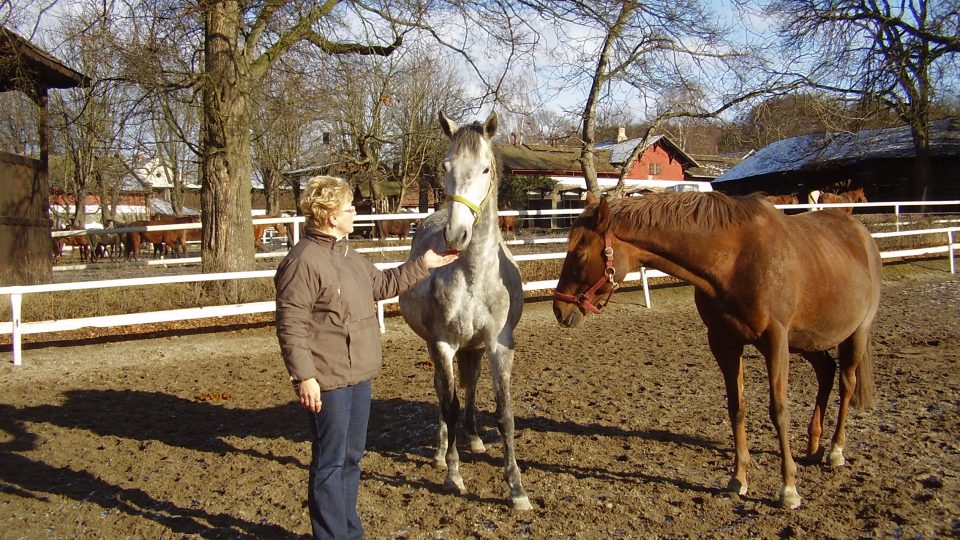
pixel 326 317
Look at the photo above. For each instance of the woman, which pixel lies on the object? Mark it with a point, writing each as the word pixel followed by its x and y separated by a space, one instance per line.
pixel 329 338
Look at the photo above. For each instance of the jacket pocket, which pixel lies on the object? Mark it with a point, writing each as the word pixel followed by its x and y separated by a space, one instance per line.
pixel 365 351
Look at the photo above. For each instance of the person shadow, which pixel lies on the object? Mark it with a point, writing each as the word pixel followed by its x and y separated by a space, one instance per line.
pixel 142 416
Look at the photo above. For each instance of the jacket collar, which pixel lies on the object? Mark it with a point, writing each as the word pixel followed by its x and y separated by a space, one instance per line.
pixel 321 238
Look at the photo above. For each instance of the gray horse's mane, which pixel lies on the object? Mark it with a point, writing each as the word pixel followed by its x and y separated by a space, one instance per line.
pixel 686 211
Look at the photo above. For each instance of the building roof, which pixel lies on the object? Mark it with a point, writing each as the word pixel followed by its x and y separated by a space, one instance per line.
pixel 542 159
pixel 30 69
pixel 832 149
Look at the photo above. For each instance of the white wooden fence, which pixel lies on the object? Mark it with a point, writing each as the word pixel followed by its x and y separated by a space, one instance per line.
pixel 17 328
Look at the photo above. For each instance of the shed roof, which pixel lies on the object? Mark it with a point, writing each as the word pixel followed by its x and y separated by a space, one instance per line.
pixel 28 68
pixel 547 160
pixel 831 149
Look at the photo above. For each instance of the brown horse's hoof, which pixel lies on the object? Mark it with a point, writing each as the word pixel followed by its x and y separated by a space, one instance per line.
pixel 737 487
pixel 789 498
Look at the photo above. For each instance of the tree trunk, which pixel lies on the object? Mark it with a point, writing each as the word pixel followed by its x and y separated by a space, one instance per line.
pixel 921 161
pixel 226 240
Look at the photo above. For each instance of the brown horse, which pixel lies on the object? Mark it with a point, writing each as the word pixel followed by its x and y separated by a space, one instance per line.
pixel 508 224
pixel 852 196
pixel 394 227
pixel 792 198
pixel 259 228
pixel 80 242
pixel 803 283
pixel 164 242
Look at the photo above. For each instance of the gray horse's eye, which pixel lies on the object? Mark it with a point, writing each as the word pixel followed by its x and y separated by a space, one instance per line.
pixel 486 171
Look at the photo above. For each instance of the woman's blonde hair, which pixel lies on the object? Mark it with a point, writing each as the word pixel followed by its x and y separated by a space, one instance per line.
pixel 323 197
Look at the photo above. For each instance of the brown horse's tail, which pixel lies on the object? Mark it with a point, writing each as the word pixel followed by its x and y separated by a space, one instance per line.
pixel 863 394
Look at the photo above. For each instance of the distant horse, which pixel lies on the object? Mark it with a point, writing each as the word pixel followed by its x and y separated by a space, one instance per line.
pixel 259 228
pixel 853 196
pixel 393 227
pixel 365 208
pixel 804 283
pixel 508 224
pixel 792 198
pixel 174 240
pixel 80 242
pixel 471 306
pixel 108 244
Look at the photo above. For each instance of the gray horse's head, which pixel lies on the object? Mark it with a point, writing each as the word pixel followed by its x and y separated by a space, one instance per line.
pixel 471 176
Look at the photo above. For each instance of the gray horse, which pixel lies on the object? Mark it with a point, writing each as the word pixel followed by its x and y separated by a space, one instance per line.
pixel 471 306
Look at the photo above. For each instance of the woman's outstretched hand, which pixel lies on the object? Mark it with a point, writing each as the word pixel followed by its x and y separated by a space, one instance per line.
pixel 432 259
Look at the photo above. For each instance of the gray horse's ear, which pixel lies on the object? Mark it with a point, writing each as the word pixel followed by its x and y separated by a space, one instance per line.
pixel 448 126
pixel 490 126
pixel 603 214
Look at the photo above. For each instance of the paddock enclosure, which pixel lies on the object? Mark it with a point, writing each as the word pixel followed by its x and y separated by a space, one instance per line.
pixel 195 434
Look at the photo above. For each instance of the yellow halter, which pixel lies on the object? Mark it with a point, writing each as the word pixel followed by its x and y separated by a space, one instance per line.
pixel 477 209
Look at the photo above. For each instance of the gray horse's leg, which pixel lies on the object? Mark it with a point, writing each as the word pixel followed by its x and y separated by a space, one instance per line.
pixel 445 383
pixel 468 362
pixel 501 365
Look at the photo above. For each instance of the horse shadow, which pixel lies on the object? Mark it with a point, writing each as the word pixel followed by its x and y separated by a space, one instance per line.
pixel 400 429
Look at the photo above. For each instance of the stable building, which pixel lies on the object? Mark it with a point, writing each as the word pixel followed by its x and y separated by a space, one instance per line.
pixel 25 243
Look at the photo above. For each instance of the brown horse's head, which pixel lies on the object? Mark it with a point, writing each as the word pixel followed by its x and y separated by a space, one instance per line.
pixel 856 195
pixel 585 278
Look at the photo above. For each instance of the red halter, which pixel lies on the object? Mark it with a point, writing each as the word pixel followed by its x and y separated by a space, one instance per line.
pixel 608 274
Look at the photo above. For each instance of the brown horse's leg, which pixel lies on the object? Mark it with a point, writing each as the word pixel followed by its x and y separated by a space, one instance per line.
pixel 468 364
pixel 825 369
pixel 729 358
pixel 774 349
pixel 851 353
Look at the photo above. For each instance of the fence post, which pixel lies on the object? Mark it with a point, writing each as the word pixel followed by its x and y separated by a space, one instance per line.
pixel 15 302
pixel 646 287
pixel 953 266
pixel 896 213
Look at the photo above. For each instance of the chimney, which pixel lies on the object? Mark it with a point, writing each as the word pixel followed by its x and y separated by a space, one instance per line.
pixel 515 139
pixel 621 134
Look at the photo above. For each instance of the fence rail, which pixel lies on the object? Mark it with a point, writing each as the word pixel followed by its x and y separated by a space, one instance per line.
pixel 17 327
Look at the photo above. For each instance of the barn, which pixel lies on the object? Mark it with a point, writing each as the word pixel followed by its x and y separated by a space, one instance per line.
pixel 878 160
pixel 25 243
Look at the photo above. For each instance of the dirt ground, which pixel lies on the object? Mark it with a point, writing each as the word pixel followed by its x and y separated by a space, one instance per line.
pixel 622 433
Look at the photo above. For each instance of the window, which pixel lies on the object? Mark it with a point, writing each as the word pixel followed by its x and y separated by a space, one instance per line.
pixel 656 169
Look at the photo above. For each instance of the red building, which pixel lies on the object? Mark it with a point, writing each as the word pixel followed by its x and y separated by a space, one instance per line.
pixel 660 159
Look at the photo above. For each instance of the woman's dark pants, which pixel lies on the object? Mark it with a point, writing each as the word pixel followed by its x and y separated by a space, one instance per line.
pixel 339 439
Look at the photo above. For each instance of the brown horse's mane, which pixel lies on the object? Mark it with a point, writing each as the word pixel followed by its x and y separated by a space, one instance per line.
pixel 684 211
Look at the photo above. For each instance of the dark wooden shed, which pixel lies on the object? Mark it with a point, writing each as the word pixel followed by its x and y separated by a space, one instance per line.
pixel 878 160
pixel 25 243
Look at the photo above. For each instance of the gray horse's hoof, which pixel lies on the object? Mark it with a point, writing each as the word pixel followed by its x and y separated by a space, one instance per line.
pixel 440 464
pixel 522 503
pixel 454 485
pixel 476 446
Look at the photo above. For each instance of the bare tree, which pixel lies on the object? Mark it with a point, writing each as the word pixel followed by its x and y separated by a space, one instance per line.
pixel 93 124
pixel 427 85
pixel 673 55
pixel 900 54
